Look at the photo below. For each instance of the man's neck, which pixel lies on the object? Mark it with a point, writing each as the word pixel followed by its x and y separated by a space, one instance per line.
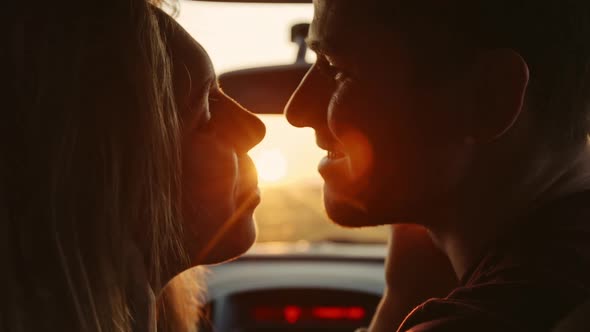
pixel 465 234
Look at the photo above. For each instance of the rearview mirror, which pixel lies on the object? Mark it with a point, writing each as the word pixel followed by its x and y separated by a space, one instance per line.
pixel 261 1
pixel 264 90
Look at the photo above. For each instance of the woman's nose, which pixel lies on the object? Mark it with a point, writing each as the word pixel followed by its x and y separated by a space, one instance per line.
pixel 309 103
pixel 240 127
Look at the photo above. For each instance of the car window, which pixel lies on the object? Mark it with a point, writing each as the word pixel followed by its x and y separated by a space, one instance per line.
pixel 239 36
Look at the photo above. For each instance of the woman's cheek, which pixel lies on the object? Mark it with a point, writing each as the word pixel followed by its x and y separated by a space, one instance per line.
pixel 209 173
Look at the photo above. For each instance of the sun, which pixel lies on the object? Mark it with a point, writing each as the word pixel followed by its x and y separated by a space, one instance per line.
pixel 271 165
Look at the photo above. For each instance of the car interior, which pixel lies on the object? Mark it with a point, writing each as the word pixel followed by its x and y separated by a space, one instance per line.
pixel 303 274
pixel 289 281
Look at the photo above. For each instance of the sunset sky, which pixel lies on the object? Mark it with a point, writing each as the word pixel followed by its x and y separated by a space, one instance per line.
pixel 238 36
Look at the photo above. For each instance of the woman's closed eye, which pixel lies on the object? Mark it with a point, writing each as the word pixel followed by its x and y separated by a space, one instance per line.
pixel 204 122
pixel 213 98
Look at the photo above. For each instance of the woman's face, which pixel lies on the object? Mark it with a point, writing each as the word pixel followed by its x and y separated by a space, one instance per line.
pixel 219 180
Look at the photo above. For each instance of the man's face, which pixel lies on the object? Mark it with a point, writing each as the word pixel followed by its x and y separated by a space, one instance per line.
pixel 384 117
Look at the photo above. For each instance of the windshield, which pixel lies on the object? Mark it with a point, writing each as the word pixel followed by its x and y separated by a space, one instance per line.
pixel 239 36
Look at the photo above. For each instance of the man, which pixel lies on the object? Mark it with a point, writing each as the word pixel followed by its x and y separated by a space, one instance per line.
pixel 471 120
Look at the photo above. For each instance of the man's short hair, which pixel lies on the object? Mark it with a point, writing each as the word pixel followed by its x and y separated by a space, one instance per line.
pixel 552 36
pixel 554 39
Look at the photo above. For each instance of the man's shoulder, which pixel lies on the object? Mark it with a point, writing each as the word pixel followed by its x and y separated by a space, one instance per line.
pixel 456 324
pixel 494 307
pixel 452 314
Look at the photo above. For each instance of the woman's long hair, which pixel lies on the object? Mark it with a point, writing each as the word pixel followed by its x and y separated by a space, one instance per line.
pixel 90 164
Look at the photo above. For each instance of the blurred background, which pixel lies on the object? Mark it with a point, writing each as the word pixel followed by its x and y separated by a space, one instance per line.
pixel 239 36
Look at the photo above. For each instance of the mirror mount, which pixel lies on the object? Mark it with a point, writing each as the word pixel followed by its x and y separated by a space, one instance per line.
pixel 260 1
pixel 298 34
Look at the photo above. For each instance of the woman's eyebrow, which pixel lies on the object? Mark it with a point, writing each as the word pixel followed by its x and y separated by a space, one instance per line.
pixel 207 82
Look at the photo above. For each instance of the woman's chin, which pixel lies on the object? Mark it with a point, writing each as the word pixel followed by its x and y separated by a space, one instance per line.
pixel 237 241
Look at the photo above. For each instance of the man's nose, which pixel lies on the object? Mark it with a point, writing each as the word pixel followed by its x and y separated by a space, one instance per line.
pixel 240 127
pixel 309 103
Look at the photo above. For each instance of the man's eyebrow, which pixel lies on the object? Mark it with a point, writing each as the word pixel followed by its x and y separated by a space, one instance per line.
pixel 313 44
pixel 318 46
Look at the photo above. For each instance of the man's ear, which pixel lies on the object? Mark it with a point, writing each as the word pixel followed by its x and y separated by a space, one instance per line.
pixel 497 86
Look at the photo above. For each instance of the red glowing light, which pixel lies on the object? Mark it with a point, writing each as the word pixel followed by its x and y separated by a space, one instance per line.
pixel 292 314
pixel 338 313
pixel 356 313
pixel 329 312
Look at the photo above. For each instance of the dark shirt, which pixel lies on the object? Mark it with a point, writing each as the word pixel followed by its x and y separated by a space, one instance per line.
pixel 528 281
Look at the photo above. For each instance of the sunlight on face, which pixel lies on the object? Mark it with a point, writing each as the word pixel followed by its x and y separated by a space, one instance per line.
pixel 271 165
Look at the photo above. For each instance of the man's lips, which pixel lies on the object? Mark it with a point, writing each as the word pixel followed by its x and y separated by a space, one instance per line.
pixel 334 168
pixel 335 155
pixel 335 164
pixel 333 150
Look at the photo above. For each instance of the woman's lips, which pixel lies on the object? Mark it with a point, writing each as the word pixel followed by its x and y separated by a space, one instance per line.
pixel 249 199
pixel 247 191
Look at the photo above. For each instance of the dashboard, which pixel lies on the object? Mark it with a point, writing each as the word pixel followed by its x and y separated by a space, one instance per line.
pixel 296 287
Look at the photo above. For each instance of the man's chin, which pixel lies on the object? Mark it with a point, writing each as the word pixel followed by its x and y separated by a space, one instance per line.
pixel 348 211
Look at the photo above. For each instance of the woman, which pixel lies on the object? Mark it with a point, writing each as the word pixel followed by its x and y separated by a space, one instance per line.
pixel 122 165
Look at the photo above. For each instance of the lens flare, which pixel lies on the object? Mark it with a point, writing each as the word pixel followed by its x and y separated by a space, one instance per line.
pixel 360 152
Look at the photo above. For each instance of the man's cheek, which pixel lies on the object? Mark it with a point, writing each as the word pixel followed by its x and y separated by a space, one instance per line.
pixel 350 107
